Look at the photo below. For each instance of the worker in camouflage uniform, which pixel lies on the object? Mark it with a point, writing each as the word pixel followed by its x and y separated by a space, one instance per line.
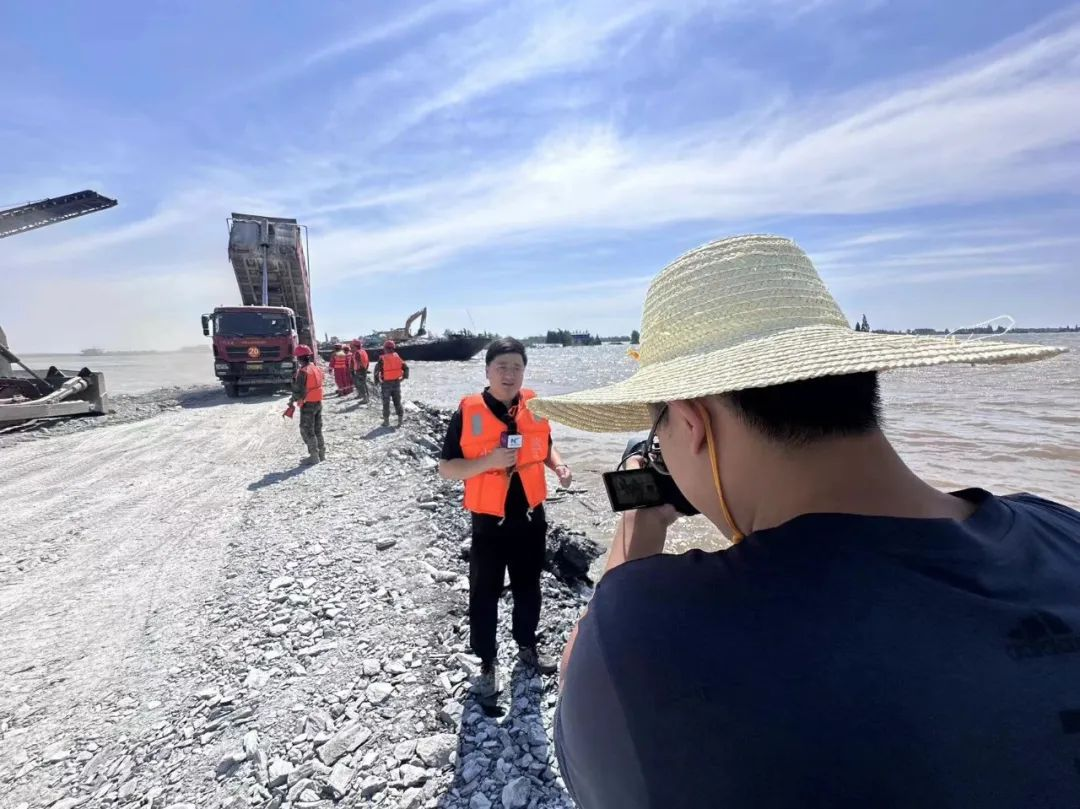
pixel 360 363
pixel 307 391
pixel 389 371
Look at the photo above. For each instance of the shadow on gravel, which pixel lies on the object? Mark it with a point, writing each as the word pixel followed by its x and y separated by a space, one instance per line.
pixel 377 433
pixel 270 478
pixel 517 711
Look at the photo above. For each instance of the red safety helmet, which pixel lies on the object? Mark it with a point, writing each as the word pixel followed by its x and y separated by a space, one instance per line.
pixel 303 351
pixel 389 345
pixel 357 344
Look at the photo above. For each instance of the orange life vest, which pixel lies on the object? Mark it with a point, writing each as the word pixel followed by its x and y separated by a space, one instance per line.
pixel 339 360
pixel 313 392
pixel 360 360
pixel 481 432
pixel 393 368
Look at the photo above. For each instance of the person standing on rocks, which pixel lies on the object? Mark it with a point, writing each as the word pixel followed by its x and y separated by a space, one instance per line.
pixel 390 370
pixel 360 363
pixel 866 639
pixel 307 391
pixel 501 451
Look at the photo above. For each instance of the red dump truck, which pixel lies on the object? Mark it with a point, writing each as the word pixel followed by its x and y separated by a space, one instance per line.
pixel 255 344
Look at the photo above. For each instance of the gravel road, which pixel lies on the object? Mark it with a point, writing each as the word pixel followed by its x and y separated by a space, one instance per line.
pixel 172 583
pixel 113 539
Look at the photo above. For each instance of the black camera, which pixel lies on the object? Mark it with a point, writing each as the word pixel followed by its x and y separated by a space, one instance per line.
pixel 629 489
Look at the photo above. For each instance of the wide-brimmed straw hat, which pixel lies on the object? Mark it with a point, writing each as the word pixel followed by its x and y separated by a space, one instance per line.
pixel 750 312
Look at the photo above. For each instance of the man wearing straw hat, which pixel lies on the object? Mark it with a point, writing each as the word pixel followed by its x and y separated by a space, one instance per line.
pixel 867 640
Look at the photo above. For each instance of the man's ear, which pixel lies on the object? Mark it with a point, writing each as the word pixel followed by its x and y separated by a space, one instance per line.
pixel 689 417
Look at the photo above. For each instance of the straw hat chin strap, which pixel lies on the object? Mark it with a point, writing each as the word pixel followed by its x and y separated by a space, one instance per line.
pixel 737 536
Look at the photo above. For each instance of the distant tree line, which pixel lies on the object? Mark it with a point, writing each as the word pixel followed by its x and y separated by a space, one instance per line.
pixel 565 337
pixel 448 333
pixel 864 325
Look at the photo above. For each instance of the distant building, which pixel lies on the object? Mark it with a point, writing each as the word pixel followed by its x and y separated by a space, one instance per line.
pixel 581 338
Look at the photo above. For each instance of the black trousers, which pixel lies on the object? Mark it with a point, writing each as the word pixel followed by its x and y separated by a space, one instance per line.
pixel 519 548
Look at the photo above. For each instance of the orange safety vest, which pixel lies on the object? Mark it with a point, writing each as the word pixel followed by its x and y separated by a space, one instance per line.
pixel 481 432
pixel 393 368
pixel 314 390
pixel 360 360
pixel 339 360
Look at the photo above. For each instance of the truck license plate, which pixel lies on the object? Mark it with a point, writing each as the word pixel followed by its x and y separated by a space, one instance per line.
pixel 254 366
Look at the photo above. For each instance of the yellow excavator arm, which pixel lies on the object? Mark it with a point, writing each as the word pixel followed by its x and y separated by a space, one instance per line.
pixel 406 333
pixel 422 314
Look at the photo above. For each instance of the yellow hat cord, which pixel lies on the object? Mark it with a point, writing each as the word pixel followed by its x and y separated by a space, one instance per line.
pixel 737 536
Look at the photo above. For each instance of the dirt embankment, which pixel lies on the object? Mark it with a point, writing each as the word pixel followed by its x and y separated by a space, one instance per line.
pixel 191 619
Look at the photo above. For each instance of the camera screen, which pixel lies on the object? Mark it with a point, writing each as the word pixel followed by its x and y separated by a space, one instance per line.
pixel 633 488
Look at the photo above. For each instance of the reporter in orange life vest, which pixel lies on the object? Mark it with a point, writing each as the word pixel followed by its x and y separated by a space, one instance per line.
pixel 502 451
pixel 389 371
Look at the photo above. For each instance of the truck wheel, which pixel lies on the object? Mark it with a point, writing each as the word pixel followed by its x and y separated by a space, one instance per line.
pixel 232 391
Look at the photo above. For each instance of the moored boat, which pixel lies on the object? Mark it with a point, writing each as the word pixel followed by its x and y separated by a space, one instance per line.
pixel 421 347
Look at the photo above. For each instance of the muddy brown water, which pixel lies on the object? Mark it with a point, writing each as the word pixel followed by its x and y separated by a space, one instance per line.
pixel 1004 428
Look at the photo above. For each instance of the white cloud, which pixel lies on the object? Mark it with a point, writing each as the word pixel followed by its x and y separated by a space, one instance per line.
pixel 998 125
pixel 994 129
pixel 517 45
pixel 564 37
pixel 365 36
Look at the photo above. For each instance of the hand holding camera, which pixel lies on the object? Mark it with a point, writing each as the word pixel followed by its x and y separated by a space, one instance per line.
pixel 636 483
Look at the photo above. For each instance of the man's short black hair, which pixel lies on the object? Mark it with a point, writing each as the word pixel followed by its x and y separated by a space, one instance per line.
pixel 802 412
pixel 505 345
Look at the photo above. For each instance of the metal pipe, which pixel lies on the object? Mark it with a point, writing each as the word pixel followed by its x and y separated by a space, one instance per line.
pixel 72 386
pixel 310 325
pixel 307 251
pixel 265 278
pixel 264 242
pixel 6 353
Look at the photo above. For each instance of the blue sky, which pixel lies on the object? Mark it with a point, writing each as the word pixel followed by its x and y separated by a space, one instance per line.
pixel 519 166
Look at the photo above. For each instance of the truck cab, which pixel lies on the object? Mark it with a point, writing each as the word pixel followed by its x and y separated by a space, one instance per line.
pixel 254 346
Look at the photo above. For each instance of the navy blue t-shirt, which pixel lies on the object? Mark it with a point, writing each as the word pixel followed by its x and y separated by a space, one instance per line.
pixel 837 661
